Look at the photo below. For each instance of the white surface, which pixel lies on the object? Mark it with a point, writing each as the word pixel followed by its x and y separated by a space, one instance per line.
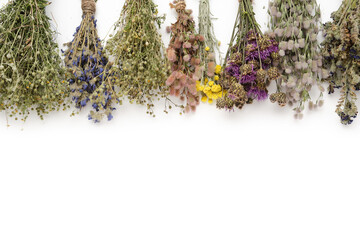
pixel 252 175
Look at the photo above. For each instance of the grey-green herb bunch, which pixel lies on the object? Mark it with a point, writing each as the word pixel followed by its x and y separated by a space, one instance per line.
pixel 31 72
pixel 341 50
pixel 86 61
pixel 209 85
pixel 140 67
pixel 296 24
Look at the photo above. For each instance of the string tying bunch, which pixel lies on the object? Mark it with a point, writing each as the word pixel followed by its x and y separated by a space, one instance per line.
pixel 180 5
pixel 88 6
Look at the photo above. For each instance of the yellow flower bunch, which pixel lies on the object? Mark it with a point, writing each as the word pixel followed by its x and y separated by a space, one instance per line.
pixel 210 90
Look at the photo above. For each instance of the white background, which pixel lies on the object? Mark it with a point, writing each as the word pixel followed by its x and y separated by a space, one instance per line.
pixel 252 175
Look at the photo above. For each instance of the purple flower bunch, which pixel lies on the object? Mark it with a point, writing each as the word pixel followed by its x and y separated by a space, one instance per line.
pixel 251 69
pixel 250 62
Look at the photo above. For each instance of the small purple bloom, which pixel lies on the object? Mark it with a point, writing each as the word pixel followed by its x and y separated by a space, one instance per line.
pixel 256 93
pixel 233 70
pixel 248 78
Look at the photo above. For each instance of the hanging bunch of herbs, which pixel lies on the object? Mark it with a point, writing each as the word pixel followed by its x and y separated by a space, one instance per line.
pixel 86 61
pixel 140 67
pixel 31 72
pixel 184 55
pixel 341 51
pixel 295 24
pixel 250 61
pixel 208 85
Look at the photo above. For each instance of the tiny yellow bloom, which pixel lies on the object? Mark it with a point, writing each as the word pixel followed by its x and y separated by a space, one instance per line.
pixel 210 101
pixel 211 83
pixel 207 49
pixel 199 86
pixel 206 80
pixel 204 99
pixel 216 88
pixel 217 69
pixel 216 78
pixel 207 88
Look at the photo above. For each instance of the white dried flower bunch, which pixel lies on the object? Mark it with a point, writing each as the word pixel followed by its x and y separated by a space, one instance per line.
pixel 296 25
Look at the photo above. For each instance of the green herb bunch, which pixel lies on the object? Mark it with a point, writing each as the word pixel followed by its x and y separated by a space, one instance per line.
pixel 31 71
pixel 86 61
pixel 341 50
pixel 209 84
pixel 184 54
pixel 296 24
pixel 140 68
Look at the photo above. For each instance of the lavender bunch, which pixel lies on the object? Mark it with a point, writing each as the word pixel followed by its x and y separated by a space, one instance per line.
pixel 341 50
pixel 295 24
pixel 31 71
pixel 250 61
pixel 86 61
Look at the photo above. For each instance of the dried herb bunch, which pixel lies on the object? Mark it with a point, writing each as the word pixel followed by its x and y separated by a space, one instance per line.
pixel 250 61
pixel 140 67
pixel 31 72
pixel 296 24
pixel 208 85
pixel 341 50
pixel 184 55
pixel 86 61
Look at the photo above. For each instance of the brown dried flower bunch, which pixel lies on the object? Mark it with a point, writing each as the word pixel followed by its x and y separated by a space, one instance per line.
pixel 296 24
pixel 184 55
pixel 341 50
